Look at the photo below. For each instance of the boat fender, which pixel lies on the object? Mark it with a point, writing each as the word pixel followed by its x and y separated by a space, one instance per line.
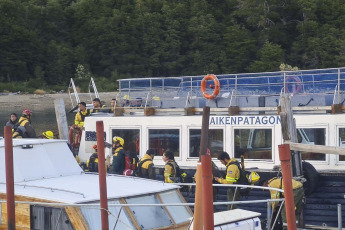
pixel 216 86
pixel 312 178
pixel 295 89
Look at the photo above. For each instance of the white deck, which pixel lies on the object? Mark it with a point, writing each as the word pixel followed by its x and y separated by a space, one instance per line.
pixel 49 171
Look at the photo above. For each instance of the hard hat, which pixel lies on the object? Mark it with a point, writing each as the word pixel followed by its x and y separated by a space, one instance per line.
pixel 27 112
pixel 94 147
pixel 48 134
pixel 253 177
pixel 127 97
pixel 119 139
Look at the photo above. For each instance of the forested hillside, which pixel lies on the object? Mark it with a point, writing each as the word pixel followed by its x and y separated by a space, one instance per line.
pixel 42 42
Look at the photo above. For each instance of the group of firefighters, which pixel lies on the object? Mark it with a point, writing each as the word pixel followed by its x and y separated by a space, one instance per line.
pixel 130 165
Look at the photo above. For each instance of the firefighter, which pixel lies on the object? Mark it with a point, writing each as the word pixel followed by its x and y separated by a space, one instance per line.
pixel 145 165
pixel 23 128
pixel 298 196
pixel 233 174
pixel 92 163
pixel 119 162
pixel 48 135
pixel 80 116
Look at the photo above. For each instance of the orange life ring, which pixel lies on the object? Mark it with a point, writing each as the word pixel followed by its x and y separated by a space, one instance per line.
pixel 296 88
pixel 74 135
pixel 216 86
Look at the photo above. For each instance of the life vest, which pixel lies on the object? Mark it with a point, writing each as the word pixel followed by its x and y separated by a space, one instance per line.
pixel 87 113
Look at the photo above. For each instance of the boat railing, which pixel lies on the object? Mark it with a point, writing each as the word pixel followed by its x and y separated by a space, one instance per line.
pixel 327 83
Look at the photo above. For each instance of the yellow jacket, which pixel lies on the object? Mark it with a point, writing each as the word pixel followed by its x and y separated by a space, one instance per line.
pixel 169 172
pixel 232 173
pixel 277 183
pixel 80 117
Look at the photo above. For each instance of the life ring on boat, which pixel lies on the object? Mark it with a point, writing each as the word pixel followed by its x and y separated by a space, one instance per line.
pixel 216 86
pixel 295 88
pixel 74 135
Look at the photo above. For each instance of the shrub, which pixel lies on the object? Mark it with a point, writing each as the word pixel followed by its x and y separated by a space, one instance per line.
pixel 39 91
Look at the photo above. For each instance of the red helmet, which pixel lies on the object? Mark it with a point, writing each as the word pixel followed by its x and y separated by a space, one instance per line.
pixel 27 112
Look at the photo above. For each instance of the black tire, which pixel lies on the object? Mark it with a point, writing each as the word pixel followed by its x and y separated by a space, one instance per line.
pixel 312 177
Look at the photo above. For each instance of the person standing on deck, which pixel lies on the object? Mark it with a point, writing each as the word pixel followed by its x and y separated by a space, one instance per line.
pixel 298 195
pixel 233 174
pixel 97 105
pixel 145 165
pixel 170 167
pixel 119 161
pixel 24 128
pixel 112 105
pixel 80 116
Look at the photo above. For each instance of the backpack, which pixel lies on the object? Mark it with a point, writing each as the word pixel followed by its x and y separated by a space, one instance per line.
pixel 138 171
pixel 131 163
pixel 244 175
pixel 181 176
pixel 18 131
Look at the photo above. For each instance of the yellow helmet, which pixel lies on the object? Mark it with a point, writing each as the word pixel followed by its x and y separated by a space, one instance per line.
pixel 119 139
pixel 127 97
pixel 253 177
pixel 48 134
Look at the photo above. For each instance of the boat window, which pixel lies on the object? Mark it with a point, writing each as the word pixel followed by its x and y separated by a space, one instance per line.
pixel 312 136
pixel 180 214
pixel 118 217
pixel 165 139
pixel 131 138
pixel 215 142
pixel 49 218
pixel 149 217
pixel 253 143
pixel 342 142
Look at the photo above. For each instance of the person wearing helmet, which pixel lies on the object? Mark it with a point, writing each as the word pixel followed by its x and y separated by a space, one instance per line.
pixel 125 101
pixel 81 114
pixel 233 174
pixel 23 128
pixel 119 161
pixel 92 163
pixel 298 196
pixel 48 135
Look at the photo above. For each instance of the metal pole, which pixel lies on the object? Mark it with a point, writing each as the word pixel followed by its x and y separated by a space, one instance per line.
pixel 197 220
pixel 11 222
pixel 340 220
pixel 206 166
pixel 285 159
pixel 269 216
pixel 102 175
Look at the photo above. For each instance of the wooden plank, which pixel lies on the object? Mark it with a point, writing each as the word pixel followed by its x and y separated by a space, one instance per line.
pixel 317 148
pixel 77 219
pixel 61 118
pixel 22 212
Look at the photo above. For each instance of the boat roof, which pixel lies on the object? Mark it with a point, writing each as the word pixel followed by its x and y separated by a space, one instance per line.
pixel 46 169
pixel 324 86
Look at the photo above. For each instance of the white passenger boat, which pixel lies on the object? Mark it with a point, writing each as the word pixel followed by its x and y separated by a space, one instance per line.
pixel 244 115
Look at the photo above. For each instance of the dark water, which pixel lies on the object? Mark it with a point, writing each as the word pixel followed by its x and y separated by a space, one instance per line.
pixel 41 121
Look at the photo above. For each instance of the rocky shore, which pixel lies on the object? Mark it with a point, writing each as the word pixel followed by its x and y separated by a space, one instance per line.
pixel 42 107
